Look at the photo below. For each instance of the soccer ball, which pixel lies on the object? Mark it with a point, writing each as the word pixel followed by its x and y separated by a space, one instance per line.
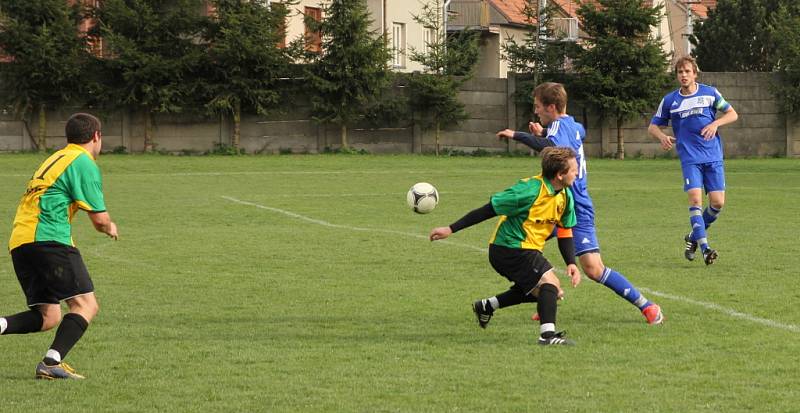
pixel 422 197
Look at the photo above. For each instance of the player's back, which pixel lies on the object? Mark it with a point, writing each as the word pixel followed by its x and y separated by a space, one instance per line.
pixel 565 131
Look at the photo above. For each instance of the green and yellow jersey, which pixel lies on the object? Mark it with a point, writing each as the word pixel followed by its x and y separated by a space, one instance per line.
pixel 67 181
pixel 528 211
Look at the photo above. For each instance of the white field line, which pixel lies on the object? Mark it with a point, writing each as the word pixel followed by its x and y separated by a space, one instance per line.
pixel 727 311
pixel 338 226
pixel 711 306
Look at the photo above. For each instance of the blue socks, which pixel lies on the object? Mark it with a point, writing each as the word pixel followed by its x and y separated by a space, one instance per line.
pixel 620 285
pixel 710 215
pixel 698 227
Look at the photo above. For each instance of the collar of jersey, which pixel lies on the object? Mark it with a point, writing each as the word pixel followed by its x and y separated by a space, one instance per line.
pixel 547 184
pixel 81 148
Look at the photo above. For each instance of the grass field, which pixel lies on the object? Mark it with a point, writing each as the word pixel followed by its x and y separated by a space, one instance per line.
pixel 303 283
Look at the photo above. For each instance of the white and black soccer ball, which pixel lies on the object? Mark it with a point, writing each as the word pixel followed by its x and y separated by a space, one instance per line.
pixel 422 197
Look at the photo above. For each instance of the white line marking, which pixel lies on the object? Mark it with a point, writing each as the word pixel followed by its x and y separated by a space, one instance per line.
pixel 331 225
pixel 728 311
pixel 711 306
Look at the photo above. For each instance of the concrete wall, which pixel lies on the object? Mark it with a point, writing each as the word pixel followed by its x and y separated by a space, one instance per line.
pixel 760 131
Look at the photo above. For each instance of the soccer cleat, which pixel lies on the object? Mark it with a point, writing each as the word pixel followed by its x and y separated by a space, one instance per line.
pixel 709 256
pixel 691 247
pixel 58 371
pixel 558 339
pixel 653 314
pixel 483 312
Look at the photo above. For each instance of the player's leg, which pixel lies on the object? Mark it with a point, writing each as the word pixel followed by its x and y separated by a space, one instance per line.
pixel 714 183
pixel 547 297
pixel 76 288
pixel 593 267
pixel 523 268
pixel 44 311
pixel 693 186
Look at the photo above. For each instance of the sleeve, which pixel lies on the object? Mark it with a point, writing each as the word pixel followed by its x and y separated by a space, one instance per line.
pixel 473 217
pixel 85 185
pixel 568 218
pixel 720 103
pixel 661 117
pixel 517 199
pixel 566 246
pixel 534 142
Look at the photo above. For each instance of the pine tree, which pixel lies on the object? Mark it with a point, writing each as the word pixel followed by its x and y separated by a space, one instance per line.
pixel 154 51
pixel 243 60
pixel 351 70
pixel 542 54
pixel 48 57
pixel 448 62
pixel 622 70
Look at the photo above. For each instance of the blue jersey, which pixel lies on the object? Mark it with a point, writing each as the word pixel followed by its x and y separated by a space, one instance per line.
pixel 564 131
pixel 689 115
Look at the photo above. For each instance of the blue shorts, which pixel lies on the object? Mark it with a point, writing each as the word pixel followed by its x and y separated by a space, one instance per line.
pixel 584 236
pixel 709 176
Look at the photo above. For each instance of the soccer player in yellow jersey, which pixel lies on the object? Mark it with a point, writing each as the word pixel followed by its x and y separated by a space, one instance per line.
pixel 48 266
pixel 528 211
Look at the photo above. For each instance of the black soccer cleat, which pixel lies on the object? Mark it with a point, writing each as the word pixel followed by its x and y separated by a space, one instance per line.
pixel 557 339
pixel 709 256
pixel 483 312
pixel 691 247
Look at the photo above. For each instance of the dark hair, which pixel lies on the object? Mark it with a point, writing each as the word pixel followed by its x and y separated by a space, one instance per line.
pixel 555 159
pixel 551 93
pixel 81 128
pixel 686 60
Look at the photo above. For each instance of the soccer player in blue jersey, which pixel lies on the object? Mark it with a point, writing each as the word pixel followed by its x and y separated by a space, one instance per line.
pixel 550 105
pixel 692 109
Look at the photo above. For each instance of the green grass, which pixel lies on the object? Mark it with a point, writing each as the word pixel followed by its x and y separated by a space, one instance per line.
pixel 211 305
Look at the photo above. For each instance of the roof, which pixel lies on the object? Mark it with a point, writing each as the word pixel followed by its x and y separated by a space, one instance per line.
pixel 511 10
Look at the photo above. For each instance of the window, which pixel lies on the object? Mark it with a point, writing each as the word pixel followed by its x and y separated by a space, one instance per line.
pixel 399 44
pixel 280 8
pixel 428 39
pixel 313 38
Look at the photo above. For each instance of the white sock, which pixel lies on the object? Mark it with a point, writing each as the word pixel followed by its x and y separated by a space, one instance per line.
pixel 53 355
pixel 3 325
pixel 547 327
pixel 494 303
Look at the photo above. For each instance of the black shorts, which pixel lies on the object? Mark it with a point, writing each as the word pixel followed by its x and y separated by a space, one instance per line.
pixel 521 266
pixel 49 272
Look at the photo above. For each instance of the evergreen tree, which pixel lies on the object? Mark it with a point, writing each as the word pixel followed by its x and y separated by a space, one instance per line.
pixel 622 70
pixel 244 61
pixel 154 53
pixel 47 55
pixel 347 76
pixel 736 37
pixel 542 54
pixel 785 29
pixel 448 62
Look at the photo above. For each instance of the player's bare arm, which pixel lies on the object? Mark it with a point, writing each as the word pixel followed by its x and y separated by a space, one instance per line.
pixel 666 140
pixel 710 131
pixel 102 223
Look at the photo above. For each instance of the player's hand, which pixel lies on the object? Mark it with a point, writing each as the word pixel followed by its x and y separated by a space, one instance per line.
pixel 666 142
pixel 574 274
pixel 710 131
pixel 440 233
pixel 536 128
pixel 505 134
pixel 112 231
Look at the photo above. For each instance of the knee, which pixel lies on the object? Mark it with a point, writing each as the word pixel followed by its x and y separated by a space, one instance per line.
pixel 717 204
pixel 594 271
pixel 51 318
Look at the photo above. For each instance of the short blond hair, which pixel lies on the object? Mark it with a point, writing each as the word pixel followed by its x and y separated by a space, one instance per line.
pixel 686 60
